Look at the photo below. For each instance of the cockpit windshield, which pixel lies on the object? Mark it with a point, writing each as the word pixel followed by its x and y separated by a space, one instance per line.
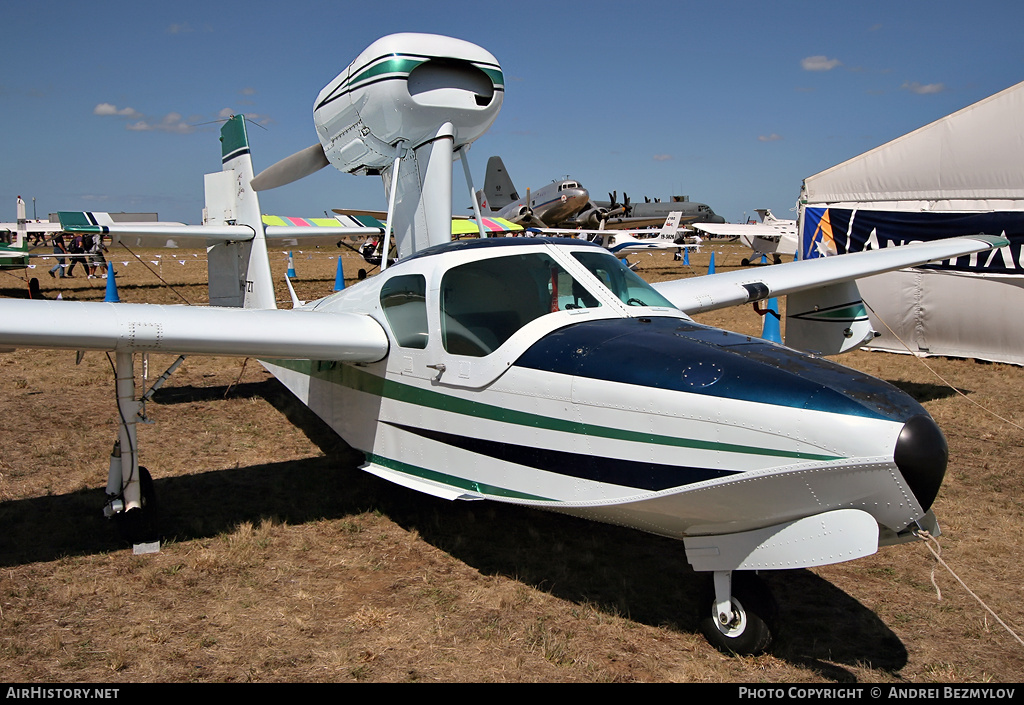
pixel 621 280
pixel 483 303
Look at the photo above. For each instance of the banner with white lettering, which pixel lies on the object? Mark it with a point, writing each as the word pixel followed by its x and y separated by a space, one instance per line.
pixel 830 231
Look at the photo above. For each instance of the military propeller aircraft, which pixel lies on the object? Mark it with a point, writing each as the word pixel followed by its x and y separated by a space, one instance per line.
pixel 540 371
pixel 612 215
pixel 547 207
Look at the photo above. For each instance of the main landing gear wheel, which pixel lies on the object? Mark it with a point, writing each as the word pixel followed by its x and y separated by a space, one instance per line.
pixel 751 629
pixel 140 525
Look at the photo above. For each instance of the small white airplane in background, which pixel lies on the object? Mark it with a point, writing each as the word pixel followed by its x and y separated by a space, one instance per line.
pixel 622 243
pixel 540 371
pixel 15 247
pixel 772 236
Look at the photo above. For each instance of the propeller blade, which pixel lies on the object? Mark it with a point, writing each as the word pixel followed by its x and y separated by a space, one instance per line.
pixel 289 169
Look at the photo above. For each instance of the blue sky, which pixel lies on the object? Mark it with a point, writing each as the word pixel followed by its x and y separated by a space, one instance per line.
pixel 111 105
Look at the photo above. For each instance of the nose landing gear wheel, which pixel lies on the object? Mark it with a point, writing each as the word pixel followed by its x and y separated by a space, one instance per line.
pixel 750 631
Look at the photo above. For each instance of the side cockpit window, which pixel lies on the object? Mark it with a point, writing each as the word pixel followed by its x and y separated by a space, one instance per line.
pixel 404 300
pixel 622 281
pixel 484 303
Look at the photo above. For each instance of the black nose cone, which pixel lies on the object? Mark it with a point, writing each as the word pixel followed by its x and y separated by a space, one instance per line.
pixel 921 455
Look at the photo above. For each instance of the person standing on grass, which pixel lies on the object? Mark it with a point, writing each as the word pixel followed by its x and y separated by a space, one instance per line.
pixel 99 262
pixel 75 249
pixel 87 243
pixel 59 248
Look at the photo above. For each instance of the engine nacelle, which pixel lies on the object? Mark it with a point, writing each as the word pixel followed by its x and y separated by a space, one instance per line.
pixel 592 218
pixel 401 89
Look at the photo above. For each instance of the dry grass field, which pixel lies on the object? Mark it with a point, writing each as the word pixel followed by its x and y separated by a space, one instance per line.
pixel 282 562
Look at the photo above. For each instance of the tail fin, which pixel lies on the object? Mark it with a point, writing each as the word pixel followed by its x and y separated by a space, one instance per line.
pixel 671 227
pixel 239 272
pixel 499 191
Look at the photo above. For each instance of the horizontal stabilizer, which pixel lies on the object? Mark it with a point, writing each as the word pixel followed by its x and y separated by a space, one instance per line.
pixel 191 330
pixel 148 234
pixel 707 293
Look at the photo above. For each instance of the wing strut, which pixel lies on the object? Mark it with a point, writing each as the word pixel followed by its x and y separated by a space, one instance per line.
pixel 472 193
pixel 386 244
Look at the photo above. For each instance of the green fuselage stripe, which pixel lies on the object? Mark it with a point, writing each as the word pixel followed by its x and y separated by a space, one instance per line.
pixel 402 66
pixel 451 480
pixel 360 380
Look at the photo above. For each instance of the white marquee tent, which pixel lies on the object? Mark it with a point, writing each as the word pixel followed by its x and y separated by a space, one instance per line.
pixel 960 175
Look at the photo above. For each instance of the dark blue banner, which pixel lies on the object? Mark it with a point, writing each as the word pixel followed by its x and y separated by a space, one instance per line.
pixel 839 230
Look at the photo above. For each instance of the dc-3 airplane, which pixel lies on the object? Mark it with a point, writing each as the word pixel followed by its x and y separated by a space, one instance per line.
pixel 549 206
pixel 540 371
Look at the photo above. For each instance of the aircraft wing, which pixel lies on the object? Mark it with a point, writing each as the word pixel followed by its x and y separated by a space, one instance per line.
pixel 170 235
pixel 312 232
pixel 740 229
pixel 630 223
pixel 464 227
pixel 183 330
pixel 279 231
pixel 707 293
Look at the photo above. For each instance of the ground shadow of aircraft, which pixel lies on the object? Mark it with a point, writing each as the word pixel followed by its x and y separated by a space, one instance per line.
pixel 925 392
pixel 606 567
pixel 613 569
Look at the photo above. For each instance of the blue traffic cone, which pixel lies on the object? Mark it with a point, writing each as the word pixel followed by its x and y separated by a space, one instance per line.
pixel 111 295
pixel 711 266
pixel 291 266
pixel 770 330
pixel 339 277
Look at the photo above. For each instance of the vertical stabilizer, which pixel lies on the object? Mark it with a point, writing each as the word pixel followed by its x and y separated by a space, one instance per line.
pixel 671 227
pixel 239 272
pixel 21 236
pixel 499 191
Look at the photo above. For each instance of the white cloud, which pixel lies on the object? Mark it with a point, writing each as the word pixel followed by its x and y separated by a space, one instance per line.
pixel 110 109
pixel 773 137
pixel 662 157
pixel 819 63
pixel 171 122
pixel 915 87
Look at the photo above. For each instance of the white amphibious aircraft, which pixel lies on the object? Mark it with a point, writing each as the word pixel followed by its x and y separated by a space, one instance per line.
pixel 540 371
